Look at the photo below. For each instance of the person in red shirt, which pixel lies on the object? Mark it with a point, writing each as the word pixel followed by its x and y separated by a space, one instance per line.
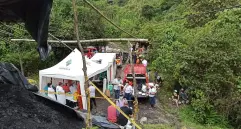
pixel 111 114
pixel 66 88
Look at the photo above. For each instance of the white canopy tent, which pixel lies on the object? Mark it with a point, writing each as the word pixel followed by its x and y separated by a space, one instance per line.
pixel 109 60
pixel 71 68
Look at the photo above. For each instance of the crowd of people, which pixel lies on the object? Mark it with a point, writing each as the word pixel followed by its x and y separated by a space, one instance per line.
pixel 61 90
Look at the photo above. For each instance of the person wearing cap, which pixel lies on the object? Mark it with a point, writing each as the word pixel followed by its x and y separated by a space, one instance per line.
pixel 152 95
pixel 117 86
pixel 175 98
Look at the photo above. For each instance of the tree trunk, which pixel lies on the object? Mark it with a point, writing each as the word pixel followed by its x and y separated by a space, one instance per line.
pixel 21 64
pixel 89 123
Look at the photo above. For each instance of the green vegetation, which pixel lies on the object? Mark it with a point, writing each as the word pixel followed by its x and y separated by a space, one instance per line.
pixel 196 42
pixel 157 126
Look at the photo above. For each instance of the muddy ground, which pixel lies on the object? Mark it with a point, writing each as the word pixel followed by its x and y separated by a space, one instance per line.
pixel 19 109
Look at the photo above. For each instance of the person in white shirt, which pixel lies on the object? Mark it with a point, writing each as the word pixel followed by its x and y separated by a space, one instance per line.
pixel 51 92
pixel 144 62
pixel 60 93
pixel 117 85
pixel 128 93
pixel 92 96
pixel 152 94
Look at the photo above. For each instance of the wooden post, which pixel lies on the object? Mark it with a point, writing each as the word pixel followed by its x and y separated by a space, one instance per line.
pixel 134 83
pixel 20 58
pixel 83 56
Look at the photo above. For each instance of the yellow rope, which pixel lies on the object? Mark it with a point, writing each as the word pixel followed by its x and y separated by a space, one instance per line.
pixel 68 94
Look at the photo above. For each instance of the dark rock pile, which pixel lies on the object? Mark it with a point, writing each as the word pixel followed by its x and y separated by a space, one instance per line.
pixel 19 109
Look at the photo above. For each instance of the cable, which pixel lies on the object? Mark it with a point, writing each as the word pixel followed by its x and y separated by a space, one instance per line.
pixel 98 11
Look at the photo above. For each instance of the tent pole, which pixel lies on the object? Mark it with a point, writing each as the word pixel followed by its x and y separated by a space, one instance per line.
pixel 88 122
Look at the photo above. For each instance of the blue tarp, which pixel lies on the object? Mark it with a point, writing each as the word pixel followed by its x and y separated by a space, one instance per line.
pixel 103 123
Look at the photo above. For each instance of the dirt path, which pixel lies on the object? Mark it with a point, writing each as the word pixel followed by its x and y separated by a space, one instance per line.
pixel 154 116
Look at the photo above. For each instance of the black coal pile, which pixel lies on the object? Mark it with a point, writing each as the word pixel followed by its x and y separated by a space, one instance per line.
pixel 20 110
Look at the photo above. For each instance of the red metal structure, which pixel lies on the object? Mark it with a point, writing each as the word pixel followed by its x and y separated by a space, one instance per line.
pixel 139 70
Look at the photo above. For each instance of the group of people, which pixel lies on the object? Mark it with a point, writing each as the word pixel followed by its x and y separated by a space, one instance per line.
pixel 180 98
pixel 114 116
pixel 126 90
pixel 59 92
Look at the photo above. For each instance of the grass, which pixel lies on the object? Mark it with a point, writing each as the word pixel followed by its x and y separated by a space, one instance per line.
pixel 157 126
pixel 183 113
pixel 187 121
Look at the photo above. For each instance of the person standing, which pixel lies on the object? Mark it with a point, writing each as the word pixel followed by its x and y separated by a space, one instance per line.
pixel 144 62
pixel 117 85
pixel 58 87
pixel 92 96
pixel 66 88
pixel 152 94
pixel 103 49
pixel 60 94
pixel 51 92
pixel 128 93
pixel 72 88
pixel 46 88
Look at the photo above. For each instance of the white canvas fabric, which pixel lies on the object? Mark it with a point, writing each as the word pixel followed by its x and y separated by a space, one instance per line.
pixel 70 68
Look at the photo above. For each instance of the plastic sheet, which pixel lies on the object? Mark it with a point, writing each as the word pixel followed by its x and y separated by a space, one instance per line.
pixel 9 74
pixel 35 15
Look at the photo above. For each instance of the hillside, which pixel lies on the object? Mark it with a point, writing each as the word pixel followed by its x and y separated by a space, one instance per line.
pixel 195 43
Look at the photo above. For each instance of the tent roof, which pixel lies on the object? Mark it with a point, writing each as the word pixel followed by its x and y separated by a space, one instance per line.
pixel 71 67
pixel 105 57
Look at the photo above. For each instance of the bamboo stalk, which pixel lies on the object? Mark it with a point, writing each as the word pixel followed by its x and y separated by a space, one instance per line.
pixel 83 58
pixel 91 40
pixel 134 83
